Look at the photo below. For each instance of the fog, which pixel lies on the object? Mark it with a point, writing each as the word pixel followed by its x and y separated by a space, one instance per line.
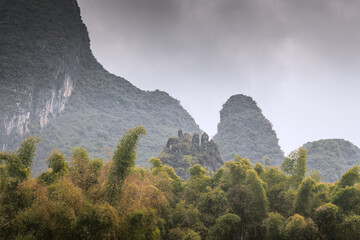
pixel 298 59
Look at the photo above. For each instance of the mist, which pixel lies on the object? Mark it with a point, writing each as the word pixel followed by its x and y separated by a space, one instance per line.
pixel 299 60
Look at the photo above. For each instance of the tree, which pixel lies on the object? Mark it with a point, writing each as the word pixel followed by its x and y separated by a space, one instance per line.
pixel 197 184
pixel 84 173
pixel 350 177
pixel 295 166
pixel 259 169
pixel 123 160
pixel 350 228
pixel 259 202
pixel 281 200
pixel 59 167
pixel 18 165
pixel 299 228
pixel 212 205
pixel 227 227
pixel 258 206
pixel 348 199
pixel 304 199
pixel 15 169
pixel 274 226
pixel 327 218
pixel 191 235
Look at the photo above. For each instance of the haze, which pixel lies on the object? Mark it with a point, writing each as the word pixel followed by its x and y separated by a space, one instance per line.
pixel 298 59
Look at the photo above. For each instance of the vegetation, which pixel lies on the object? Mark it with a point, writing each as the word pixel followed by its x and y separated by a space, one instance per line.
pixel 185 151
pixel 332 157
pixel 244 129
pixel 44 43
pixel 90 199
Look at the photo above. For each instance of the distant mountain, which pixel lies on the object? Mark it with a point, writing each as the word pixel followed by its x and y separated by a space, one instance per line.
pixel 244 130
pixel 186 150
pixel 332 157
pixel 51 85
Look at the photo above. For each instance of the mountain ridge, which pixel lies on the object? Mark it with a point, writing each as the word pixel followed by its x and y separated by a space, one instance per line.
pixel 53 86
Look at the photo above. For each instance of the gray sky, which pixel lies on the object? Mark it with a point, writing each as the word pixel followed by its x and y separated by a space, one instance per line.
pixel 299 59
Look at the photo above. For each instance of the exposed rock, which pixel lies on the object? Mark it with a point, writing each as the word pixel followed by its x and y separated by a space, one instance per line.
pixel 183 152
pixel 51 85
pixel 244 130
pixel 332 157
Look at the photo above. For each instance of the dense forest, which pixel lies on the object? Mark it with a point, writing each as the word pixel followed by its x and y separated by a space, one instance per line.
pixel 84 198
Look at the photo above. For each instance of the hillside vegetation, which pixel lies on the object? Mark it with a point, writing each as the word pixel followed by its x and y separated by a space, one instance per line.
pixel 90 199
pixel 244 130
pixel 332 157
pixel 51 85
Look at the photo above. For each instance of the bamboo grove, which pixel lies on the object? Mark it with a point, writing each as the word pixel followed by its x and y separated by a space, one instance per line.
pixel 82 198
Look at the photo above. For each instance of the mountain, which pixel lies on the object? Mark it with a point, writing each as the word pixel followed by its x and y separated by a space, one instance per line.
pixel 52 85
pixel 332 157
pixel 186 150
pixel 244 130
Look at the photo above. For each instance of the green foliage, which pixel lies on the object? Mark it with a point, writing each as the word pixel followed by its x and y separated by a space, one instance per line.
pixel 350 228
pixel 226 228
pixel 304 200
pixel 274 226
pixel 123 160
pixel 350 177
pixel 280 198
pixel 259 203
pixel 18 165
pixel 212 205
pixel 84 172
pixel 331 157
pixel 327 218
pixel 90 200
pixel 295 166
pixel 348 199
pixel 191 235
pixel 299 228
pixel 59 167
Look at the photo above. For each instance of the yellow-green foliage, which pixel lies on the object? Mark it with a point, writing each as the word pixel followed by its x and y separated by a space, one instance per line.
pixel 117 200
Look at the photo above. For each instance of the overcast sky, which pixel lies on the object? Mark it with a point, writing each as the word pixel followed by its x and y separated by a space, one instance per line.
pixel 298 59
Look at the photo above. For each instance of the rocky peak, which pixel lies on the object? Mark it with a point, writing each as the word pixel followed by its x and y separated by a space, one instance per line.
pixel 196 140
pixel 185 151
pixel 204 138
pixel 244 130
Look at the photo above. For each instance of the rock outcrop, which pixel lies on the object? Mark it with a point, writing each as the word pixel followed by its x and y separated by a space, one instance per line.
pixel 184 151
pixel 331 157
pixel 244 130
pixel 52 85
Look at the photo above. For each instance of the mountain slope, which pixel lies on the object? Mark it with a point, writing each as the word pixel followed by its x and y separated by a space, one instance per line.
pixel 332 157
pixel 51 85
pixel 244 130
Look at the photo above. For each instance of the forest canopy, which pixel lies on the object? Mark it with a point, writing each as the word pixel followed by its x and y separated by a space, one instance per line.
pixel 83 198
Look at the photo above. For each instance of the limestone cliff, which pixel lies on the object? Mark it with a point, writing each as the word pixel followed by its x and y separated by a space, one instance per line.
pixel 51 85
pixel 183 152
pixel 244 130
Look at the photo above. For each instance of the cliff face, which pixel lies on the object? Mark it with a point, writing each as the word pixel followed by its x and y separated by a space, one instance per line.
pixel 183 152
pixel 244 130
pixel 51 85
pixel 332 157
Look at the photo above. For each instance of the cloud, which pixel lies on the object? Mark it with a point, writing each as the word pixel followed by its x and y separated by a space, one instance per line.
pixel 298 59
